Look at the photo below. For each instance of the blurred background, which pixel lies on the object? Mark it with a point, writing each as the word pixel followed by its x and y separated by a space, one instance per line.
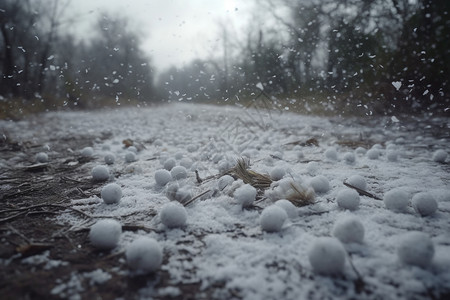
pixel 362 57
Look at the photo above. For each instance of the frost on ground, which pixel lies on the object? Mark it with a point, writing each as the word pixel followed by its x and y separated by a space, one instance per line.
pixel 222 245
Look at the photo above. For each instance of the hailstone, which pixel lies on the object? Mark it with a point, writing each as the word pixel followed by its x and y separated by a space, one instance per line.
pixel 245 195
pixel 224 181
pixel 349 229
pixel 331 153
pixel 357 181
pixel 109 158
pixel 169 164
pixel 440 156
pixel 327 256
pixel 173 215
pixel 178 172
pixel 272 218
pixel 373 153
pixel 320 184
pixel 348 199
pixel 130 156
pixel 105 234
pixel 111 193
pixel 396 199
pixel 162 177
pixel 288 207
pixel 360 151
pixel 100 173
pixel 349 157
pixel 277 173
pixel 87 152
pixel 41 157
pixel 416 248
pixel 144 254
pixel 132 149
pixel 424 204
pixel 392 155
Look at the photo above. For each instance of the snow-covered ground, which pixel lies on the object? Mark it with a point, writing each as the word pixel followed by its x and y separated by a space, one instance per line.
pixel 222 245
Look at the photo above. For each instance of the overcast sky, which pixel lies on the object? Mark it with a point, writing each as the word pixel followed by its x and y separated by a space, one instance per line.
pixel 175 31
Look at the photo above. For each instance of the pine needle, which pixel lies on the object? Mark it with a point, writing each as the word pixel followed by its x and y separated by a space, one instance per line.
pixel 257 180
pixel 300 196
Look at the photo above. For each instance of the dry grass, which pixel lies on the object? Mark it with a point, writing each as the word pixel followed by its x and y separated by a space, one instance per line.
pixel 301 196
pixel 257 180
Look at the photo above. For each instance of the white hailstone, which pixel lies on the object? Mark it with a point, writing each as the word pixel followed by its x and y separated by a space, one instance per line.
pixel 327 256
pixel 277 173
pixel 320 184
pixel 100 173
pixel 109 158
pixel 416 248
pixel 348 199
pixel 224 166
pixel 360 150
pixel 424 203
pixel 331 153
pixel 178 155
pixel 357 181
pixel 169 164
pixel 133 149
pixel 288 207
pixel 130 156
pixel 105 234
pixel 349 229
pixel 111 193
pixel 245 195
pixel 396 199
pixel 377 146
pixel 392 155
pixel 373 153
pixel 349 157
pixel 440 156
pixel 299 154
pixel 106 147
pixel 158 142
pixel 144 254
pixel 41 157
pixel 224 181
pixel 178 172
pixel 217 157
pixel 186 162
pixel 272 218
pixel 191 148
pixel 312 168
pixel 173 215
pixel 162 177
pixel 87 152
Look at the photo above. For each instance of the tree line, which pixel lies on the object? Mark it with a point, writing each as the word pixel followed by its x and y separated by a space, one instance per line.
pixel 381 55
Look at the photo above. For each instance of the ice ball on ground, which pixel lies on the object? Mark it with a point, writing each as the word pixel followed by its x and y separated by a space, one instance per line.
pixel 105 234
pixel 416 248
pixel 224 181
pixel 100 173
pixel 331 153
pixel 349 157
pixel 288 207
pixel 109 158
pixel 272 218
pixel 396 200
pixel 191 148
pixel 348 199
pixel 440 156
pixel 169 164
pixel 87 152
pixel 392 155
pixel 277 173
pixel 111 193
pixel 424 204
pixel 173 215
pixel 373 153
pixel 178 172
pixel 357 181
pixel 130 156
pixel 245 195
pixel 349 229
pixel 312 168
pixel 41 157
pixel 144 254
pixel 179 155
pixel 327 256
pixel 162 177
pixel 320 184
pixel 133 149
pixel 186 162
pixel 360 150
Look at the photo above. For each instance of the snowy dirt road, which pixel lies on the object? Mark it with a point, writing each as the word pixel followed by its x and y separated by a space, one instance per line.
pixel 365 186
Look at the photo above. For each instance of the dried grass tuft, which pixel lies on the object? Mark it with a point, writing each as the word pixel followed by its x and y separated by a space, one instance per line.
pixel 300 196
pixel 257 180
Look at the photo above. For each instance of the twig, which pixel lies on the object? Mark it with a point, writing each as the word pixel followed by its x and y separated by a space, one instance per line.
pixel 199 180
pixel 196 197
pixel 361 192
pixel 359 283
